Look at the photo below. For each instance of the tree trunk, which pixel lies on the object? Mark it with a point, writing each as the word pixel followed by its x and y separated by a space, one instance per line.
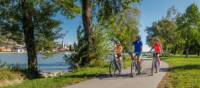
pixel 186 52
pixel 187 46
pixel 29 38
pixel 87 24
pixel 86 17
pixel 175 50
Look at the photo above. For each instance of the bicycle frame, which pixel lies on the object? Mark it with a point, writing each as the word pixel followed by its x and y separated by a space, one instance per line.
pixel 116 64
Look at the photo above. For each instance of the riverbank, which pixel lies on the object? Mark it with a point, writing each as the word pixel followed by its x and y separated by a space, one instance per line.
pixel 67 78
pixel 184 72
pixel 9 77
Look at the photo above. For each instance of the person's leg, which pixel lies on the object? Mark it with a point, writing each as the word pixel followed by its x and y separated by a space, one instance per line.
pixel 158 61
pixel 121 61
pixel 153 63
pixel 139 64
pixel 118 62
pixel 135 61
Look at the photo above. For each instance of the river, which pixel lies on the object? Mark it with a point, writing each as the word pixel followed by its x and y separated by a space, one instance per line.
pixel 54 63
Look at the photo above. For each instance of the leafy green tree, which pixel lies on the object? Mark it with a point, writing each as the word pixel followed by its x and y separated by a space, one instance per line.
pixel 166 30
pixel 188 26
pixel 97 17
pixel 124 26
pixel 32 20
pixel 98 12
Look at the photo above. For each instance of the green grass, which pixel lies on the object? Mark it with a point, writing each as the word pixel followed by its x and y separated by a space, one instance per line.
pixel 59 82
pixel 67 79
pixel 184 73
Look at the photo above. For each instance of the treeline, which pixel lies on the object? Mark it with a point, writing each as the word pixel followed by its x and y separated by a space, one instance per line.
pixel 178 32
pixel 31 22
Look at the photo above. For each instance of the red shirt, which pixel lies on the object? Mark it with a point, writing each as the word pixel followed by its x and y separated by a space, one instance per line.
pixel 157 47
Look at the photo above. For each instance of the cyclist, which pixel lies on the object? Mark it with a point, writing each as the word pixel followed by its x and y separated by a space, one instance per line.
pixel 157 50
pixel 138 52
pixel 118 54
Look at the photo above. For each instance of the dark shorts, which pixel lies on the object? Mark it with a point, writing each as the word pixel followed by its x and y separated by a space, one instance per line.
pixel 118 55
pixel 138 55
pixel 156 54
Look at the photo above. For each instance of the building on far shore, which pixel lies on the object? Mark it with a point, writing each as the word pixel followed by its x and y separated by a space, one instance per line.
pixel 12 46
pixel 19 49
pixel 5 49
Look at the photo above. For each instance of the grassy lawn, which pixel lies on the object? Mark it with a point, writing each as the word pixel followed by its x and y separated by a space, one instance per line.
pixel 67 79
pixel 59 82
pixel 185 72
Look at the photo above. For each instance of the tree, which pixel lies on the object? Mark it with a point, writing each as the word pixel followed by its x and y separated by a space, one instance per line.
pixel 188 26
pixel 166 30
pixel 32 20
pixel 97 16
pixel 124 26
pixel 95 12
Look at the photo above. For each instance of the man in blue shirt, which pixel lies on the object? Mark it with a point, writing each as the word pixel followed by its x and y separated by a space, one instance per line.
pixel 138 52
pixel 138 46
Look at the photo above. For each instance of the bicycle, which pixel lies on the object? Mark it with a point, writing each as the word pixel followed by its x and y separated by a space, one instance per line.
pixel 135 65
pixel 155 64
pixel 114 66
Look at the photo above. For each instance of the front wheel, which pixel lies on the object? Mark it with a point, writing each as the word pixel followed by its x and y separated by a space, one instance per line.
pixel 152 67
pixel 133 69
pixel 112 69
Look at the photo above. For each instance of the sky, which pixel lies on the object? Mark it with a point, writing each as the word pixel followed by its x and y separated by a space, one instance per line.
pixel 151 10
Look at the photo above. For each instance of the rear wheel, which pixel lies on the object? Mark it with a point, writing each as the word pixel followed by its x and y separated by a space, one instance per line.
pixel 152 67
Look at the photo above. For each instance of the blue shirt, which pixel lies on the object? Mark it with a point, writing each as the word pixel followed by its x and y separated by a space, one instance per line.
pixel 137 46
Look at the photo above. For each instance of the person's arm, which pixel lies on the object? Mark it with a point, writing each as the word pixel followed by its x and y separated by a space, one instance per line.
pixel 121 49
pixel 151 48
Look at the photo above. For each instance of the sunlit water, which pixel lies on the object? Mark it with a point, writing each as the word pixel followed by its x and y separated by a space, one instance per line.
pixel 54 63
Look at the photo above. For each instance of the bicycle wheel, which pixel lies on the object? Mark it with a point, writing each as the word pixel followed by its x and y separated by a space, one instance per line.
pixel 112 68
pixel 118 66
pixel 133 69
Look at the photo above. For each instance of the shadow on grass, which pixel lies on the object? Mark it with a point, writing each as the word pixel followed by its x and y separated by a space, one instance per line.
pixel 186 67
pixel 164 69
pixel 27 74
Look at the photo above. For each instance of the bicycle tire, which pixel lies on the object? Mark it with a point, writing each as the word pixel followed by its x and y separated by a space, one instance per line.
pixel 133 69
pixel 112 68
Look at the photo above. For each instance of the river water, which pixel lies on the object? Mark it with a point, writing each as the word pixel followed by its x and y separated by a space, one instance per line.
pixel 54 63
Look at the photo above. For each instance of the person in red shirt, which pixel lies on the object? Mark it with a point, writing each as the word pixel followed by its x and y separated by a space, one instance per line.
pixel 157 50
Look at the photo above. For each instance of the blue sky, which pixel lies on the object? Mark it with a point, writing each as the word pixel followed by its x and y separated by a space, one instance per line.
pixel 151 10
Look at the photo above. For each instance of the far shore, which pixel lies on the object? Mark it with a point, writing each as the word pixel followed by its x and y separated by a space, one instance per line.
pixel 11 53
pixel 26 52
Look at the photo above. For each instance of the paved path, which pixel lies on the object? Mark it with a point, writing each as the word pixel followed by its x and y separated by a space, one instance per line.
pixel 125 81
